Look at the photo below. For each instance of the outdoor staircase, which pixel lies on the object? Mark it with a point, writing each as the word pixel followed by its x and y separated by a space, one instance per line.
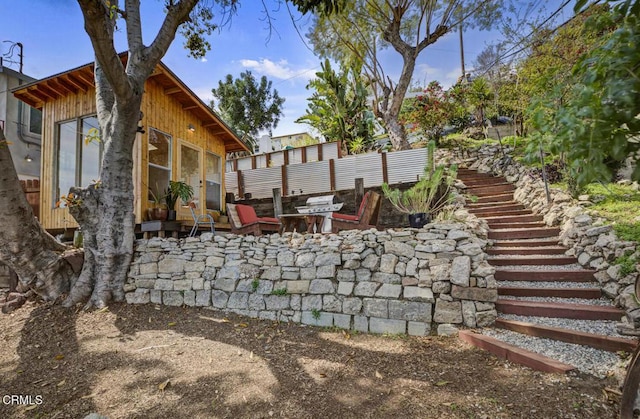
pixel 535 279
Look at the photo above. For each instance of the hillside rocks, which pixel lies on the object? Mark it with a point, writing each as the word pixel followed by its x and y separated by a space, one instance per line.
pixel 393 281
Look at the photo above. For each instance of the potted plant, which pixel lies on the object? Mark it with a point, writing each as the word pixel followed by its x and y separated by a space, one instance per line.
pixel 158 210
pixel 177 190
pixel 428 196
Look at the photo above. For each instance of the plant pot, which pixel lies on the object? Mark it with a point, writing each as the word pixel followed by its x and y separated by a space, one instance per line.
pixel 171 215
pixel 157 214
pixel 419 219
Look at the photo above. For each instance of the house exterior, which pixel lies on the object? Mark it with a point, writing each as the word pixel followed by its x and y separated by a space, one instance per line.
pixel 179 138
pixel 300 139
pixel 21 125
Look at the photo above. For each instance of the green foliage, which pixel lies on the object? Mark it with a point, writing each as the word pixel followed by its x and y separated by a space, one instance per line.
pixel 247 105
pixel 589 115
pixel 279 291
pixel 430 194
pixel 627 264
pixel 177 190
pixel 255 284
pixel 620 205
pixel 315 313
pixel 338 108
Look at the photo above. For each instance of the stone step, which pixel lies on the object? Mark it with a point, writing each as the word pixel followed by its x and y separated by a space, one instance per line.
pixel 529 250
pixel 585 293
pixel 562 310
pixel 606 343
pixel 514 354
pixel 502 197
pixel 532 260
pixel 523 233
pixel 548 275
pixel 513 219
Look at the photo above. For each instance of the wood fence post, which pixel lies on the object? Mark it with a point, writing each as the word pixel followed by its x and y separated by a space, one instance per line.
pixel 332 175
pixel 385 168
pixel 285 182
pixel 277 202
pixel 240 183
pixel 359 191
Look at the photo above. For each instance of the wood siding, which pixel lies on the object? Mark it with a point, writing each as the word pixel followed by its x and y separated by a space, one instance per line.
pixel 161 112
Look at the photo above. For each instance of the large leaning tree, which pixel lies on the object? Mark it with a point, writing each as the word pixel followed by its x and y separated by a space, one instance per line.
pixel 365 28
pixel 104 210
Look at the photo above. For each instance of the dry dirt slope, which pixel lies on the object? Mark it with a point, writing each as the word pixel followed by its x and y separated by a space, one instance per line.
pixel 152 362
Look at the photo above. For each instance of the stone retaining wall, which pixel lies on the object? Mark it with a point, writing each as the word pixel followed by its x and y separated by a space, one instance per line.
pixel 393 281
pixel 588 237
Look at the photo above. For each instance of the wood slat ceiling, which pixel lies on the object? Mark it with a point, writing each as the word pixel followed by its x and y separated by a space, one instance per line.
pixel 37 93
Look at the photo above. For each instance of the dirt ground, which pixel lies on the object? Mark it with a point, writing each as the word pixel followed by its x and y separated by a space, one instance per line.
pixel 167 362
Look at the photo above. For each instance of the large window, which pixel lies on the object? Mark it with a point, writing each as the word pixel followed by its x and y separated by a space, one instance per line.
pixel 78 161
pixel 35 121
pixel 214 181
pixel 159 162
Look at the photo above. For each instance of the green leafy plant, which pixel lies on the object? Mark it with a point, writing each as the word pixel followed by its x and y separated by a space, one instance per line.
pixel 177 190
pixel 315 313
pixel 254 284
pixel 430 194
pixel 627 264
pixel 279 291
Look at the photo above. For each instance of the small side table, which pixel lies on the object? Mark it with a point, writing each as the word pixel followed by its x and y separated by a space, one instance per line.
pixel 160 227
pixel 291 222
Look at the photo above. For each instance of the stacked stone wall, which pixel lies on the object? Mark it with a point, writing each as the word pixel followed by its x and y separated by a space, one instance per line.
pixel 393 281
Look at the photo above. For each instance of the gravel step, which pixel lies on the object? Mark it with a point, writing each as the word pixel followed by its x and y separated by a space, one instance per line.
pixel 502 197
pixel 513 219
pixel 543 273
pixel 594 340
pixel 599 327
pixel 492 189
pixel 586 359
pixel 548 284
pixel 514 352
pixel 550 241
pixel 525 224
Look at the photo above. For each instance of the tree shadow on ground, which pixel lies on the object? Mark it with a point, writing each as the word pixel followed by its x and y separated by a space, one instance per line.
pixel 159 362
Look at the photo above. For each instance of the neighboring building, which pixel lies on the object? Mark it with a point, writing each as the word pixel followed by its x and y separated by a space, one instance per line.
pixel 22 125
pixel 292 141
pixel 181 138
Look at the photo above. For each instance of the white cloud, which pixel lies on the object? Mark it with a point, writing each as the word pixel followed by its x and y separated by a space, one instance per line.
pixel 279 70
pixel 203 59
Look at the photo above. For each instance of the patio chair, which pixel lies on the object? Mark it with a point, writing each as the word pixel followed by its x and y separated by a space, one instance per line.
pixel 366 218
pixel 199 219
pixel 244 220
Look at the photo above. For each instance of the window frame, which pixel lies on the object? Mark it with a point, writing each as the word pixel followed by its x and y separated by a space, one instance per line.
pixel 168 168
pixel 79 143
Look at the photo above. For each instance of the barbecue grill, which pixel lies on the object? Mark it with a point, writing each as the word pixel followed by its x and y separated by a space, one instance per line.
pixel 322 205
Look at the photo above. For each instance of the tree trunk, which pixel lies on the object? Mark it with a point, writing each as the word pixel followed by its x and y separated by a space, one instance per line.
pixel 105 211
pixel 397 132
pixel 35 256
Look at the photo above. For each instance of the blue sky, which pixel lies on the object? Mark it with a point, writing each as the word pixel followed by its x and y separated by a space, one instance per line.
pixel 54 40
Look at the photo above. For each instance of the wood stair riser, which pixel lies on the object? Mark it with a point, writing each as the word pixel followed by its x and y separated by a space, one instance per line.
pixel 565 311
pixel 585 293
pixel 513 219
pixel 534 224
pixel 492 212
pixel 490 190
pixel 532 233
pixel 558 260
pixel 545 276
pixel 525 243
pixel 495 198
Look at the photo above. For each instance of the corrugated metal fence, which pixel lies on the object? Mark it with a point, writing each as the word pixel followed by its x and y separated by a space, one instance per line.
pixel 329 174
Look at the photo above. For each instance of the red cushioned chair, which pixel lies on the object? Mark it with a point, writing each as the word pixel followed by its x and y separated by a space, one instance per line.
pixel 366 218
pixel 244 220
